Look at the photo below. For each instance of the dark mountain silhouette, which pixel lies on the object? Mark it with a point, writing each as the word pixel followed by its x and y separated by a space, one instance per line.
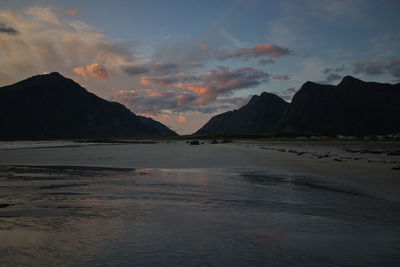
pixel 52 106
pixel 260 115
pixel 353 107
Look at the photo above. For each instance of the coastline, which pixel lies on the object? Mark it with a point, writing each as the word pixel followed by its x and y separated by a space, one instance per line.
pixel 370 165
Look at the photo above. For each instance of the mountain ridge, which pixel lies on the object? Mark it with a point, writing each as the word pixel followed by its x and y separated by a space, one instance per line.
pixel 50 106
pixel 260 114
pixel 353 107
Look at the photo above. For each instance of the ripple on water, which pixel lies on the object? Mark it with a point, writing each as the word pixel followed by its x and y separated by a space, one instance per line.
pixel 89 216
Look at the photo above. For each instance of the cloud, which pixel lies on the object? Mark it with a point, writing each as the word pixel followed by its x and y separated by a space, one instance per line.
pixel 369 67
pixel 48 42
pixel 69 12
pixel 378 67
pixel 264 61
pixel 8 30
pixel 135 69
pixel 183 93
pixel 147 101
pixel 159 67
pixel 283 77
pixel 158 81
pixel 286 94
pixel 257 51
pixel 93 70
pixel 163 67
pixel 329 70
pixel 158 103
pixel 202 46
pixel 333 77
pixel 394 67
pixel 195 64
pixel 182 119
pixel 222 80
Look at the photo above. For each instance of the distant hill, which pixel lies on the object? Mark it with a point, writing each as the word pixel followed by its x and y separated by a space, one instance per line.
pixel 260 115
pixel 353 107
pixel 52 106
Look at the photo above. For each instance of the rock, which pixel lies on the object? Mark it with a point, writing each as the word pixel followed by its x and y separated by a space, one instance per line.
pixel 194 143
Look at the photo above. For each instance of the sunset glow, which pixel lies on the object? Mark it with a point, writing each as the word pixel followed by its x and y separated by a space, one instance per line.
pixel 205 58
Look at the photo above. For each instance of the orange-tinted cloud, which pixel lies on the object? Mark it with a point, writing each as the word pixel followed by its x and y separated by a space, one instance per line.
pixel 81 71
pixel 208 86
pixel 202 46
pixel 69 12
pixel 94 70
pixel 182 119
pixel 200 89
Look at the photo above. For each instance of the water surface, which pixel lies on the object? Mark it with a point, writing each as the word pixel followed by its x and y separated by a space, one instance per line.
pixel 94 216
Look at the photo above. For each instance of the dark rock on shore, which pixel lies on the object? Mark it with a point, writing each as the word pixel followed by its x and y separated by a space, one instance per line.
pixel 194 143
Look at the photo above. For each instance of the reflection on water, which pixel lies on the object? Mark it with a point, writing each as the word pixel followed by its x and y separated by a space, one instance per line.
pixel 88 216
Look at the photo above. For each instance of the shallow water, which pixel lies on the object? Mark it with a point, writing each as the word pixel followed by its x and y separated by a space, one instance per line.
pixel 88 216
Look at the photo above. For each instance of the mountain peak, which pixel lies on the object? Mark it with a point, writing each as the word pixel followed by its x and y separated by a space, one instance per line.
pixel 55 74
pixel 52 106
pixel 260 115
pixel 353 107
pixel 349 80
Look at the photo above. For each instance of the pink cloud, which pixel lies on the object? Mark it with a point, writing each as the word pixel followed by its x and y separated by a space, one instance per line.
pixel 94 70
pixel 222 80
pixel 182 119
pixel 199 89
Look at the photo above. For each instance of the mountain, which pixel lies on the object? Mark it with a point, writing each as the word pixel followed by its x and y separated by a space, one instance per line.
pixel 157 126
pixel 353 107
pixel 260 115
pixel 52 106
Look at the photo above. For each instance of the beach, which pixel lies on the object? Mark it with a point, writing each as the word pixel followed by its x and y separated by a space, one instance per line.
pixel 253 203
pixel 370 165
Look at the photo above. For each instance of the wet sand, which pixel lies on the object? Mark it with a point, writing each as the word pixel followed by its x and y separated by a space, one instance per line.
pixel 374 167
pixel 174 204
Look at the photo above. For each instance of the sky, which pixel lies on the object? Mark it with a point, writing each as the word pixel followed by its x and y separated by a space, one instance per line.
pixel 182 62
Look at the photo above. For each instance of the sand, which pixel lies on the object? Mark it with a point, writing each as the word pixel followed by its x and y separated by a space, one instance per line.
pixel 237 204
pixel 372 166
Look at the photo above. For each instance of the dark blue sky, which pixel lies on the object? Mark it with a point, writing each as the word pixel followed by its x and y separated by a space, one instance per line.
pixel 183 61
